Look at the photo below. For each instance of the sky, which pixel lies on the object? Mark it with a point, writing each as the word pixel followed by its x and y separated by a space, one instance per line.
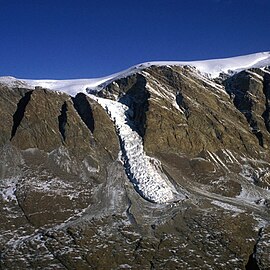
pixel 64 39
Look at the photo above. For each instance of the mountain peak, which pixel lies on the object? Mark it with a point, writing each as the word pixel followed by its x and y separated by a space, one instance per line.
pixel 161 164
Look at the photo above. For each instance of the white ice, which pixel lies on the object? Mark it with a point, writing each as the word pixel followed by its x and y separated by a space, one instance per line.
pixel 143 171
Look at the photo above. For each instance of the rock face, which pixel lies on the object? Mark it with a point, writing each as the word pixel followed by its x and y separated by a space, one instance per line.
pixel 162 169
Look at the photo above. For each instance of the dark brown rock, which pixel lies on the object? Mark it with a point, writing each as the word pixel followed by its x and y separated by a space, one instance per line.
pixel 65 198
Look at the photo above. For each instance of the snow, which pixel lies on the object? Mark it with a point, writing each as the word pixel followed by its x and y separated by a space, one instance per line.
pixel 143 171
pixel 235 64
pixel 8 189
pixel 210 68
pixel 250 192
pixel 163 92
pixel 227 206
pixel 217 160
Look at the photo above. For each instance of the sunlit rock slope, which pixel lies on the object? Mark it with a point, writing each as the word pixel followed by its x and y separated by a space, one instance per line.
pixel 163 166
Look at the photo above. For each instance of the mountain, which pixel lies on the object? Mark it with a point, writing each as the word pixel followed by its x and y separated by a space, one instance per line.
pixel 165 165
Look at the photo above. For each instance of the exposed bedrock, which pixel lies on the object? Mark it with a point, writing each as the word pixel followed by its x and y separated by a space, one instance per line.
pixel 84 109
pixel 249 91
pixel 67 176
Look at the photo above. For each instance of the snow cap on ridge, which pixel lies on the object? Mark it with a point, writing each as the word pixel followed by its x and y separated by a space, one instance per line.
pixel 211 68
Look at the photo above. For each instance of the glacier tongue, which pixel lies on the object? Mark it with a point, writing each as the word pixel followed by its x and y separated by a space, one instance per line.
pixel 143 171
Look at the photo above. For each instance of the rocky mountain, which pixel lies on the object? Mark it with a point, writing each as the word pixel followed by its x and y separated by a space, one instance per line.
pixel 163 166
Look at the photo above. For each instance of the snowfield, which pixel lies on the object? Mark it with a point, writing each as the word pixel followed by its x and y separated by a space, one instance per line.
pixel 210 68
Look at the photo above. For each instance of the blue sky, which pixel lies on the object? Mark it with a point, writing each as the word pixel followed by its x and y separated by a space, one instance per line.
pixel 82 38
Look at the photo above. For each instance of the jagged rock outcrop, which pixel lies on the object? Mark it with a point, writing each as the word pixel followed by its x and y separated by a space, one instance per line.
pixel 46 177
pixel 76 173
pixel 250 92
